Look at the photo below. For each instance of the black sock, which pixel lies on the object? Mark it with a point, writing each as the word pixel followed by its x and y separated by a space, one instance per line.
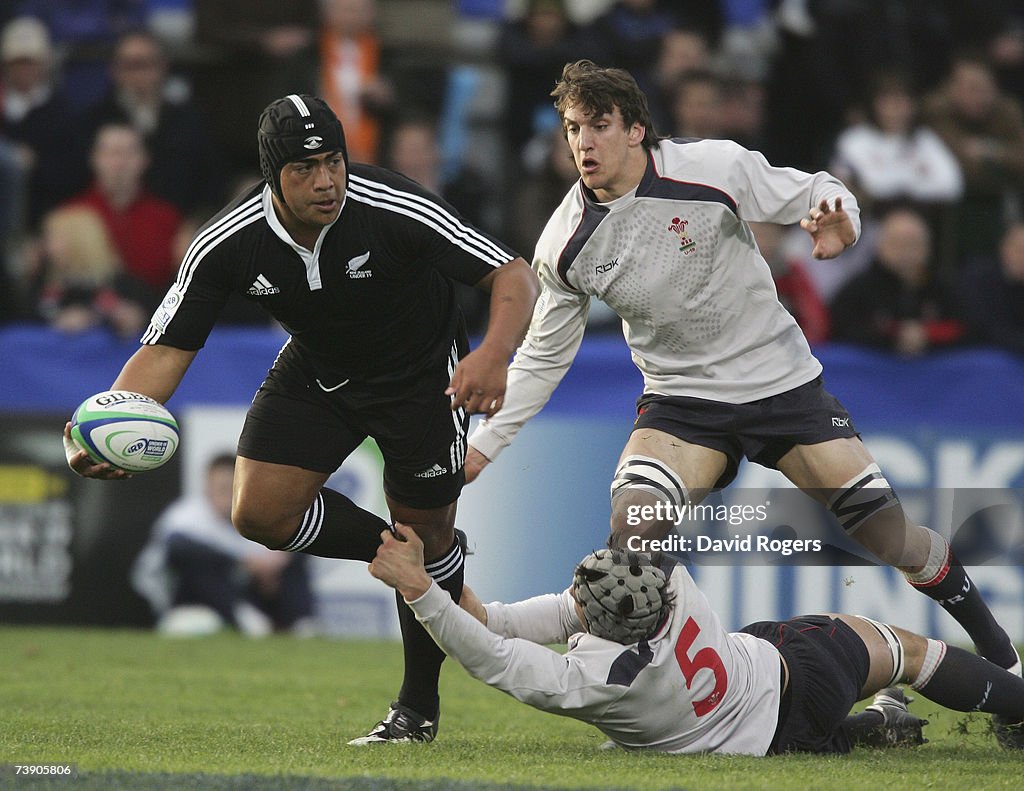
pixel 945 580
pixel 423 657
pixel 335 527
pixel 963 681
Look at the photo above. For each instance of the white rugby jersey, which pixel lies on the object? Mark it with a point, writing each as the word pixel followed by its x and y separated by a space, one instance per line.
pixel 677 262
pixel 691 688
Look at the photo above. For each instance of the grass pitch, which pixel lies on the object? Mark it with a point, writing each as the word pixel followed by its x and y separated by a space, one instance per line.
pixel 132 710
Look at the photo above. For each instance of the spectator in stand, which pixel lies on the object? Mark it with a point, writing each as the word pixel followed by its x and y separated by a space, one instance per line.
pixel 697 107
pixel 196 558
pixel 142 225
pixel 795 287
pixel 256 52
pixel 996 27
pixel 742 112
pixel 992 293
pixel 630 33
pixel 79 283
pixel 532 50
pixel 985 129
pixel 414 152
pixel 749 38
pixel 809 104
pixel 173 130
pixel 35 119
pixel 351 76
pixel 891 158
pixel 547 171
pixel 897 303
pixel 84 32
pixel 681 52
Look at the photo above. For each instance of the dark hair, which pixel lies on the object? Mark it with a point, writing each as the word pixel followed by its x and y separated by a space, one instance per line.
pixel 546 5
pixel 886 83
pixel 119 124
pixel 599 90
pixel 697 77
pixel 972 56
pixel 142 33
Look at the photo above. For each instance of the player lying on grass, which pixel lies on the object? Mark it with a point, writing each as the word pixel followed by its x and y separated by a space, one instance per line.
pixel 650 666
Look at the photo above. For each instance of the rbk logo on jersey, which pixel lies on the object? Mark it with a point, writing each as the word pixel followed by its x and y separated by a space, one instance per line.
pixel 686 244
pixel 355 267
pixel 602 268
pixel 261 287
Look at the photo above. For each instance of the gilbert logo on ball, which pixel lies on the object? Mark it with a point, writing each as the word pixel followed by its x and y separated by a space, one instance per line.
pixel 127 430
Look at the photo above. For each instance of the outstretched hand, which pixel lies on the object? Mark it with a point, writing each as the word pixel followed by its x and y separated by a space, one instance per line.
pixel 830 228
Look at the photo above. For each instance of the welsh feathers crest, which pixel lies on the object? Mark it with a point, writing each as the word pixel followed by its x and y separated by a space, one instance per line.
pixel 686 243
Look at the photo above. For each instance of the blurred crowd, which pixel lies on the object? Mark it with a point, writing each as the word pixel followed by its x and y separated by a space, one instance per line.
pixel 125 124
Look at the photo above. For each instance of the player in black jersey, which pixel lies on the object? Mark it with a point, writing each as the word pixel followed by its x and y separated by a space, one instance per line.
pixel 357 263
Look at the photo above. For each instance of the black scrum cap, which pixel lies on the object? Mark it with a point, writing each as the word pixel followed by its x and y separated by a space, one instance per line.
pixel 295 127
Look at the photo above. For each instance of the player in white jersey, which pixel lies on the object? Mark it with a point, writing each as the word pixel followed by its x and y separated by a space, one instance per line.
pixel 657 229
pixel 650 665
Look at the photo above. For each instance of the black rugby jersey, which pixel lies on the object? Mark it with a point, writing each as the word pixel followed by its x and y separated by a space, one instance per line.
pixel 374 300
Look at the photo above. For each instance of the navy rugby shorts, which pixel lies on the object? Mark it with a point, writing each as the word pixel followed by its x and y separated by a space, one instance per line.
pixel 298 419
pixel 828 665
pixel 764 430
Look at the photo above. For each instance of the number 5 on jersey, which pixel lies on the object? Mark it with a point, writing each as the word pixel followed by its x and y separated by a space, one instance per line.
pixel 705 658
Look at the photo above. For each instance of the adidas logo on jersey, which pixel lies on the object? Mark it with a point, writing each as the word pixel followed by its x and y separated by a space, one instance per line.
pixel 433 472
pixel 355 267
pixel 261 287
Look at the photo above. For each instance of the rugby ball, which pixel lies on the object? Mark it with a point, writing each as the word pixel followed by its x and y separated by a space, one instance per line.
pixel 129 431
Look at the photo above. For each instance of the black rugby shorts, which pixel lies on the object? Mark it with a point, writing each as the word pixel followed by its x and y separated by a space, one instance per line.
pixel 299 420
